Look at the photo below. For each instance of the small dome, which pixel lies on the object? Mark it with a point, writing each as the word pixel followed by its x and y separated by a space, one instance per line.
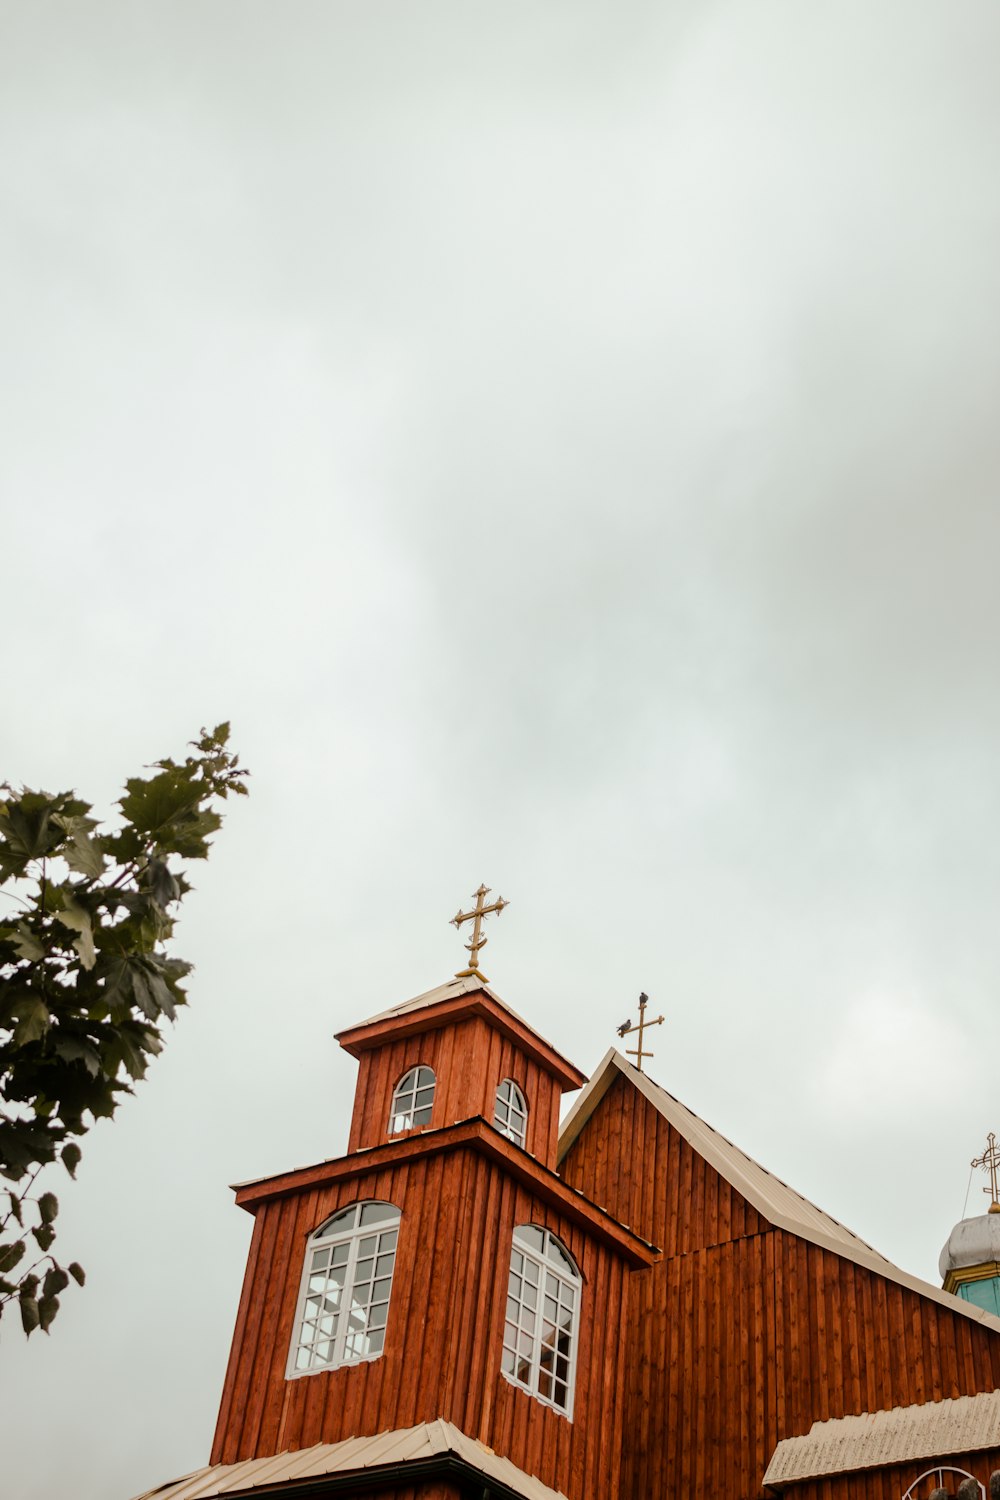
pixel 972 1242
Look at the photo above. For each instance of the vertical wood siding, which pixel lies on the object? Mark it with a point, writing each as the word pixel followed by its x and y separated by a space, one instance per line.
pixel 892 1483
pixel 632 1161
pixel 744 1334
pixel 470 1059
pixel 444 1332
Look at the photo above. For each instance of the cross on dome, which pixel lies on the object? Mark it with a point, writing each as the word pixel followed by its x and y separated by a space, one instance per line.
pixel 990 1161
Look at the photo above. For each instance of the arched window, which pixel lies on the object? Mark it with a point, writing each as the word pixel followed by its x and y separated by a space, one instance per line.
pixel 346 1282
pixel 511 1113
pixel 543 1317
pixel 412 1101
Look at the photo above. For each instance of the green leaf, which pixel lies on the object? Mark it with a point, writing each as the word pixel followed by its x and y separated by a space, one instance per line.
pixel 56 1281
pixel 47 1309
pixel 70 1156
pixel 27 944
pixel 77 920
pixel 78 1049
pixel 30 1316
pixel 32 1018
pixel 77 1273
pixel 44 1235
pixel 151 805
pixel 48 1207
pixel 10 1255
pixel 83 856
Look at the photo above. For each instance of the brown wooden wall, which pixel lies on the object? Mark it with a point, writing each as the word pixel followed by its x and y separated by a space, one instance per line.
pixel 471 1059
pixel 892 1483
pixel 444 1333
pixel 744 1334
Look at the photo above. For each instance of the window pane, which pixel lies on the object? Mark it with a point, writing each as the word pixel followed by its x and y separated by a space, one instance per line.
pixel 375 1213
pixel 529 1234
pixel 340 1222
pixel 421 1117
pixel 559 1255
pixel 324 1288
pixel 507 1362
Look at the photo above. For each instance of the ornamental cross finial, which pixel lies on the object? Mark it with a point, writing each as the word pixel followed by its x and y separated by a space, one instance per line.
pixel 475 916
pixel 990 1162
pixel 629 1026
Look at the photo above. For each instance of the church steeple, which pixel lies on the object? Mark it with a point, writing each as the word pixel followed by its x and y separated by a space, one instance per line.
pixel 970 1261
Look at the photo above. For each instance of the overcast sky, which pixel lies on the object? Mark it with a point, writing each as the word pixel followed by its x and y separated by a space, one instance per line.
pixel 563 439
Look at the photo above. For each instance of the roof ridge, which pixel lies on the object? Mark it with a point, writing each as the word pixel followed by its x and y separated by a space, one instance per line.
pixel 778 1203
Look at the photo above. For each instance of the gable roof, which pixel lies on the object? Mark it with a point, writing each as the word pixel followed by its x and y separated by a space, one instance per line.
pixel 930 1430
pixel 428 1445
pixel 778 1203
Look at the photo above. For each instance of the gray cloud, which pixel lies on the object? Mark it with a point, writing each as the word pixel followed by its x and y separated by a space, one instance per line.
pixel 563 441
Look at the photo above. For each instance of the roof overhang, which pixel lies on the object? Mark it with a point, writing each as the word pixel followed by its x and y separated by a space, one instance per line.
pixel 881 1439
pixel 475 1135
pixel 358 1465
pixel 773 1199
pixel 457 1001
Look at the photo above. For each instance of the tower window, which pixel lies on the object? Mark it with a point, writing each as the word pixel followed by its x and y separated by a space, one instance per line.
pixel 346 1282
pixel 511 1113
pixel 543 1317
pixel 412 1101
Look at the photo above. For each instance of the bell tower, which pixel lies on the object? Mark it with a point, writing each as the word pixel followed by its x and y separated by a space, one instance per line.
pixel 437 1301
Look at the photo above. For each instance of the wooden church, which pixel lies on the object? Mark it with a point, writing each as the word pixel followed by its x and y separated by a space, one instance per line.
pixel 475 1302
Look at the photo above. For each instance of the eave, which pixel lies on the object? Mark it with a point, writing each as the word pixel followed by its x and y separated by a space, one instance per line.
pixel 475 1135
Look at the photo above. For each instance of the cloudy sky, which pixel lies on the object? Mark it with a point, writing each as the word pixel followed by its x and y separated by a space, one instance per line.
pixel 562 438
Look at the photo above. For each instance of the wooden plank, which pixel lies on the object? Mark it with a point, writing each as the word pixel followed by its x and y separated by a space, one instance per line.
pixel 237 1351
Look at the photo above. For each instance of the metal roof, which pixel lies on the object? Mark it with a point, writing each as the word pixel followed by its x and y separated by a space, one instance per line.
pixel 934 1429
pixel 781 1205
pixel 429 1440
pixel 453 989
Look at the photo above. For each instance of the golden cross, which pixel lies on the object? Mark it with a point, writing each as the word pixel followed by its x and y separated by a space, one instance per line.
pixel 475 916
pixel 629 1026
pixel 990 1161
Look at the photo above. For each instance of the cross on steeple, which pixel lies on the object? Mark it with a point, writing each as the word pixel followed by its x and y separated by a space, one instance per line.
pixel 475 916
pixel 990 1162
pixel 628 1027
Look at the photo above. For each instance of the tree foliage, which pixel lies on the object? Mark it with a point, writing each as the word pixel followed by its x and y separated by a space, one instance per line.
pixel 86 980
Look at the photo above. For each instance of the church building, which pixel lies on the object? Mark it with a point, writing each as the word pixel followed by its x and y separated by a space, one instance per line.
pixel 474 1301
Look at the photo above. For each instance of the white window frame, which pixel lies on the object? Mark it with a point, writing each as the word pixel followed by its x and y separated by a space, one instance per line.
pixel 505 1108
pixel 412 1086
pixel 523 1347
pixel 352 1233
